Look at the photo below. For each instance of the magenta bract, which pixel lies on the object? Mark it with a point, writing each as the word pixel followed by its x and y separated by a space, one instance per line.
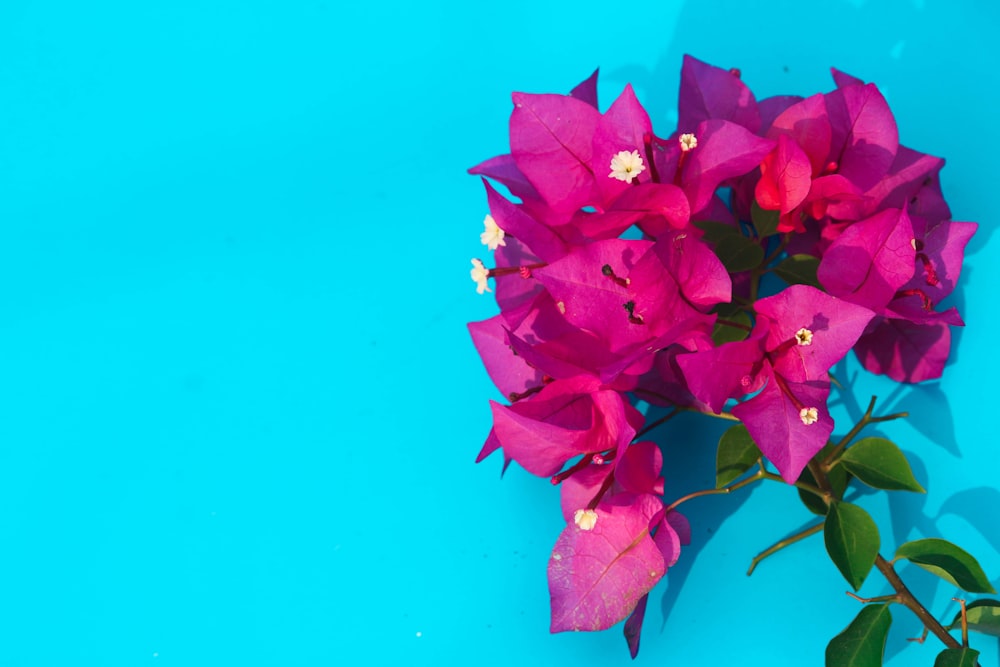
pixel 726 267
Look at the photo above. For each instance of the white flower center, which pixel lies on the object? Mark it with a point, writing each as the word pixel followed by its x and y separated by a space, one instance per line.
pixel 688 142
pixel 492 236
pixel 809 415
pixel 803 336
pixel 626 165
pixel 585 519
pixel 479 275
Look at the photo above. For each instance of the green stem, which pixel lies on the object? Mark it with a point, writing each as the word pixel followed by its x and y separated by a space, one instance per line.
pixel 715 492
pixel 805 486
pixel 778 546
pixel 853 433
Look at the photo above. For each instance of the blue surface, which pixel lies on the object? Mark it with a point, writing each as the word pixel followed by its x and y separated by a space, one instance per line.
pixel 239 404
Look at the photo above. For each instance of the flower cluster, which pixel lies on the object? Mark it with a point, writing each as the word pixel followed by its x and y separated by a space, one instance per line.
pixel 634 267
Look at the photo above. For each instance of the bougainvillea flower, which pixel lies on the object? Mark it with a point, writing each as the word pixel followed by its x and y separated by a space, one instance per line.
pixel 624 128
pixel 725 150
pixel 551 140
pixel 809 331
pixel 598 575
pixel 789 421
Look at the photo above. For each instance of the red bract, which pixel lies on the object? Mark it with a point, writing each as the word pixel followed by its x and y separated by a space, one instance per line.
pixel 628 268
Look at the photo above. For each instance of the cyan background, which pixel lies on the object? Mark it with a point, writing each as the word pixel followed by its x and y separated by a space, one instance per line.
pixel 238 404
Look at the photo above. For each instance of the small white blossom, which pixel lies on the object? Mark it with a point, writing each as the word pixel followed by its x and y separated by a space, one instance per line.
pixel 809 415
pixel 493 235
pixel 625 166
pixel 688 142
pixel 479 275
pixel 585 519
pixel 803 336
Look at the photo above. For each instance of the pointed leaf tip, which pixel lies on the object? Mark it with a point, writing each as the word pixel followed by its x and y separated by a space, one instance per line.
pixel 948 561
pixel 862 643
pixel 736 454
pixel 852 540
pixel 879 463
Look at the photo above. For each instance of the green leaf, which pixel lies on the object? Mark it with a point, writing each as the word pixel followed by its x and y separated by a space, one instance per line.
pixel 738 253
pixel 716 231
pixel 879 463
pixel 726 333
pixel 736 454
pixel 852 541
pixel 982 616
pixel 956 657
pixel 764 221
pixel 799 269
pixel 862 643
pixel 947 561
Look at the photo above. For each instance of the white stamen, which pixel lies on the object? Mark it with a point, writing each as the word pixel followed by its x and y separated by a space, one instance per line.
pixel 493 235
pixel 479 275
pixel 585 519
pixel 809 415
pixel 561 306
pixel 803 336
pixel 688 142
pixel 626 165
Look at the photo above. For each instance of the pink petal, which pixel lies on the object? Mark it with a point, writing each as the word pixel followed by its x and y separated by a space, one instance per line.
pixel 865 138
pixel 725 150
pixel 709 92
pixel 551 139
pixel 773 419
pixel 808 124
pixel 904 351
pixel 638 469
pixel 870 260
pixel 509 373
pixel 785 177
pixel 592 300
pixel 730 370
pixel 586 90
pixel 622 128
pixel 598 576
pixel 502 169
pixel 835 325
pixel 633 626
pixel 537 238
